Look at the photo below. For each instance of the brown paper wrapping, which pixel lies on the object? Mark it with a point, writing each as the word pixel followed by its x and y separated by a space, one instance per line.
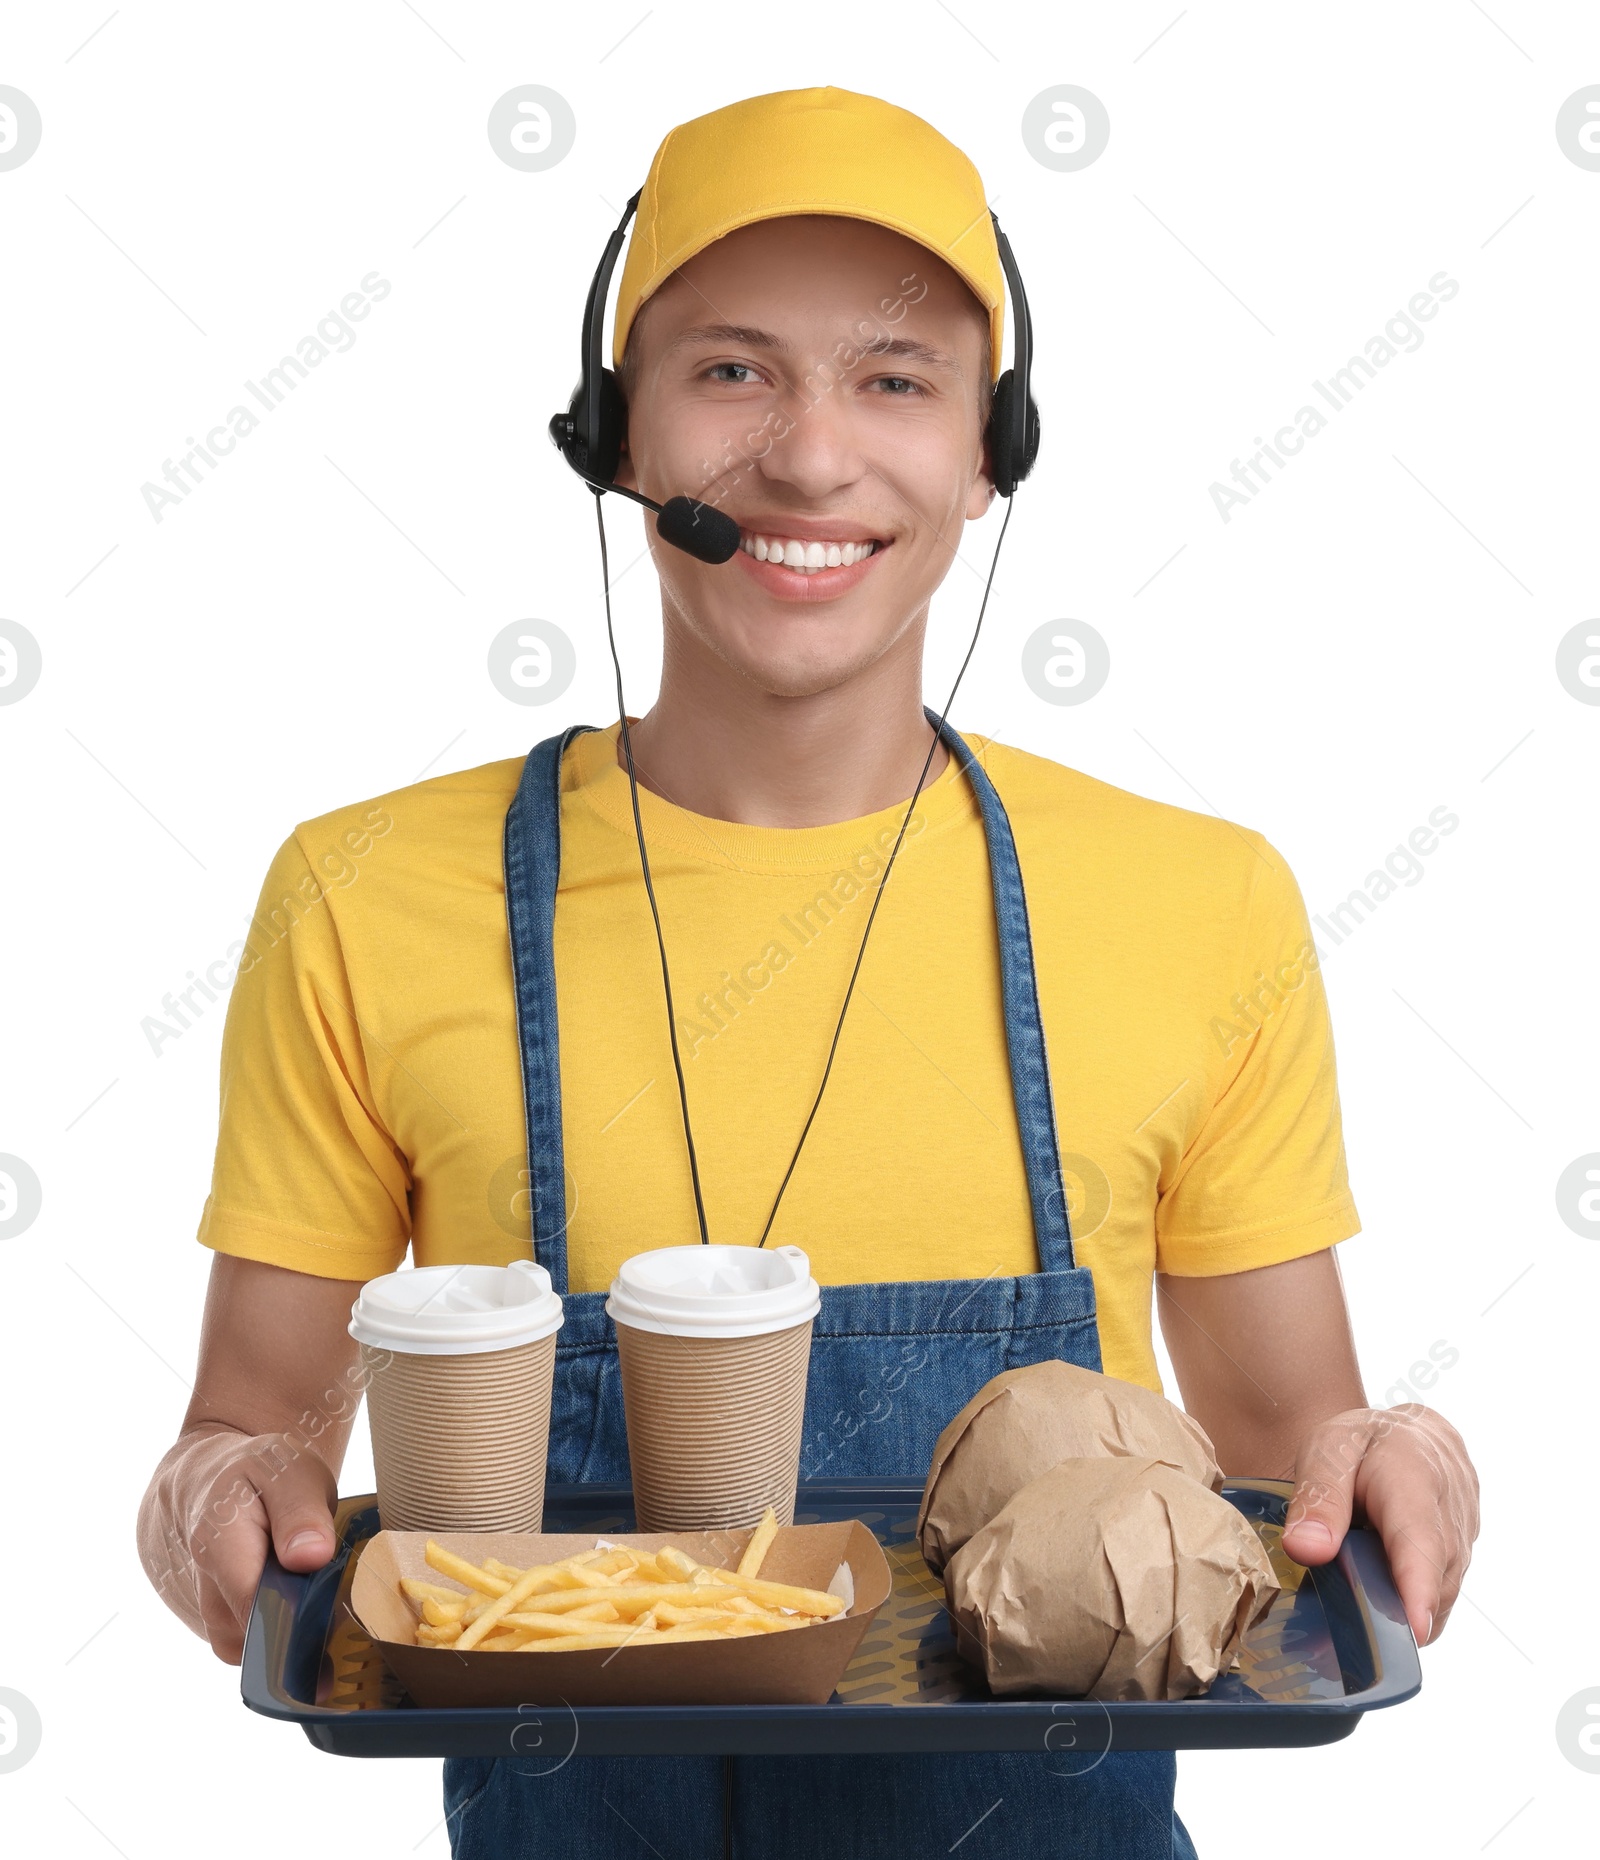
pixel 1109 1579
pixel 1023 1422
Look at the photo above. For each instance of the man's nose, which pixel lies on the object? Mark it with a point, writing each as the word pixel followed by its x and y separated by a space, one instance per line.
pixel 816 446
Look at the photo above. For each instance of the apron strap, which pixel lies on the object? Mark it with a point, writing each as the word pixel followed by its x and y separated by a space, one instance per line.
pixel 1019 990
pixel 533 868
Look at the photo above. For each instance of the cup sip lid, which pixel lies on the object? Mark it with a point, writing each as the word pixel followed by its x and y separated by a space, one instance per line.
pixel 714 1291
pixel 456 1310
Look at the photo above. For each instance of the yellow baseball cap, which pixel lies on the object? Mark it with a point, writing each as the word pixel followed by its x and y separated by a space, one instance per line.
pixel 822 150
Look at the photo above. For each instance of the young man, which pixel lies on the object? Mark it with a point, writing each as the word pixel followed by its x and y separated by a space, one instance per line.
pixel 809 329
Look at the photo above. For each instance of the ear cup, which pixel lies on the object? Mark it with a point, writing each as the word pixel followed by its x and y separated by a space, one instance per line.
pixel 1010 470
pixel 596 454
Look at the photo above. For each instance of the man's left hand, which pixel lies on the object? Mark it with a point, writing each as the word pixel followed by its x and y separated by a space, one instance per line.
pixel 1405 1471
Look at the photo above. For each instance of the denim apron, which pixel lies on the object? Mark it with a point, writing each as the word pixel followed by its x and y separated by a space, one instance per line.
pixel 890 1364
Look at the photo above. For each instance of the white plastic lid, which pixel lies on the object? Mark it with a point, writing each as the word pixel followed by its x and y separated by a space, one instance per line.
pixel 456 1310
pixel 715 1291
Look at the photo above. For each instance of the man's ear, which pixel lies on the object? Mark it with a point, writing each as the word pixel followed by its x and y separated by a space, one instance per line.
pixel 624 474
pixel 982 494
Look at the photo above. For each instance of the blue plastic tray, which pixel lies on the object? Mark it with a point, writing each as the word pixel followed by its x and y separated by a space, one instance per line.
pixel 1334 1645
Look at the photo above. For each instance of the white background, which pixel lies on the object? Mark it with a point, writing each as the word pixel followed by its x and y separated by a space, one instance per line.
pixel 1372 637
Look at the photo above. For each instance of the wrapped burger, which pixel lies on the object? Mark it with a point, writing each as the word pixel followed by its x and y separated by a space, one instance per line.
pixel 1109 1578
pixel 1025 1421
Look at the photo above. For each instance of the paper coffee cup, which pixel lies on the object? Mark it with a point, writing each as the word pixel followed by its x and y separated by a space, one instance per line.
pixel 460 1366
pixel 714 1343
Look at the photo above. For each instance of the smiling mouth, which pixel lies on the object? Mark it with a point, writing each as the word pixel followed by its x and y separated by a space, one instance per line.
pixel 806 557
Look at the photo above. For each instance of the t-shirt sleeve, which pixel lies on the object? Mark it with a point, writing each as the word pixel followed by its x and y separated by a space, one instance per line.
pixel 1263 1178
pixel 306 1175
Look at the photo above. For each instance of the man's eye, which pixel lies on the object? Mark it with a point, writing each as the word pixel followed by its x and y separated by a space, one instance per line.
pixel 737 374
pixel 898 385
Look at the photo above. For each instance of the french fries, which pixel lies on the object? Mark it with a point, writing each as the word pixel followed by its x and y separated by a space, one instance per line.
pixel 603 1597
pixel 756 1550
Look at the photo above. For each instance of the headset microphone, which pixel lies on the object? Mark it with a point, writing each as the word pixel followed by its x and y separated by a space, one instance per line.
pixel 708 535
pixel 712 535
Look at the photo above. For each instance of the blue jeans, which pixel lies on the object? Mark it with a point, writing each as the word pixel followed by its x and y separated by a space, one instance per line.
pixel 1005 1806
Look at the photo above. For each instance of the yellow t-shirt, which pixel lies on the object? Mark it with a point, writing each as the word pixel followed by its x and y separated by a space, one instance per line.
pixel 371 1080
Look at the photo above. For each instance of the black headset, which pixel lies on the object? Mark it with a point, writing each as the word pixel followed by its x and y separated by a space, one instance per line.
pixel 589 433
pixel 589 437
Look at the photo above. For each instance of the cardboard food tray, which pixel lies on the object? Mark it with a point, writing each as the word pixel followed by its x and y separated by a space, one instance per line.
pixel 796 1668
pixel 1334 1646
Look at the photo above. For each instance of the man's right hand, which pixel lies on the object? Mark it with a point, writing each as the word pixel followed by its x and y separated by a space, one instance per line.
pixel 269 1489
pixel 277 1362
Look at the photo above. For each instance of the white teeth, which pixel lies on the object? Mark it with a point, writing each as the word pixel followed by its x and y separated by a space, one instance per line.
pixel 806 557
